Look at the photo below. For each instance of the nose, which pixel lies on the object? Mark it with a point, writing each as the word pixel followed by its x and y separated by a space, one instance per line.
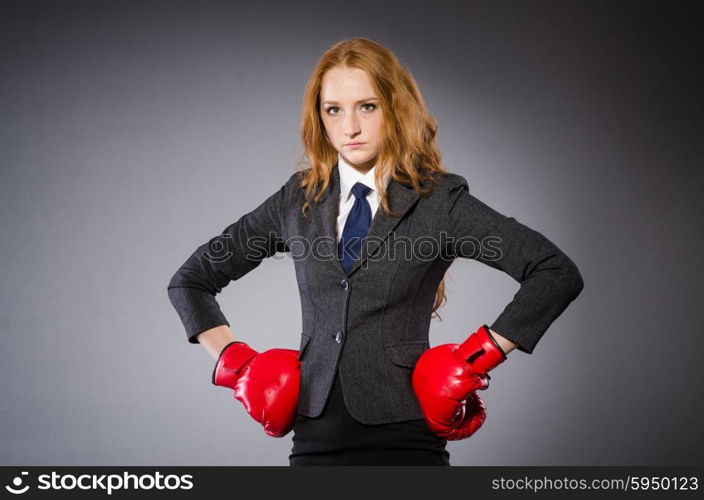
pixel 351 125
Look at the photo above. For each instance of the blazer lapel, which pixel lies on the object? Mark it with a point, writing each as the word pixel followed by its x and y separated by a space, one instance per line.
pixel 325 218
pixel 401 199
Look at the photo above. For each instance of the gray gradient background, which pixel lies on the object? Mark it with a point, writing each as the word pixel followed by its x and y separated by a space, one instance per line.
pixel 132 132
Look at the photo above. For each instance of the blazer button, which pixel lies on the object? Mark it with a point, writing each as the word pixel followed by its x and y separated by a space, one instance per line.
pixel 344 284
pixel 338 337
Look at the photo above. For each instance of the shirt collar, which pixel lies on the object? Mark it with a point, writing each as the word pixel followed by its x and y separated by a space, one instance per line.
pixel 349 176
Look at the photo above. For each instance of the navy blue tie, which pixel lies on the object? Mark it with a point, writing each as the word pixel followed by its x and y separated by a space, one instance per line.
pixel 356 227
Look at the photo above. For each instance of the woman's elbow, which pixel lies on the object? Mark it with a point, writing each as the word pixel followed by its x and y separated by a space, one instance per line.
pixel 573 281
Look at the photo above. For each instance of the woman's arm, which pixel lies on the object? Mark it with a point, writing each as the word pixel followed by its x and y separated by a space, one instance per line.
pixel 549 279
pixel 505 344
pixel 215 339
pixel 239 249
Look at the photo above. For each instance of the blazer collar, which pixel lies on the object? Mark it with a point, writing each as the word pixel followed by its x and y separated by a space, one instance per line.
pixel 401 199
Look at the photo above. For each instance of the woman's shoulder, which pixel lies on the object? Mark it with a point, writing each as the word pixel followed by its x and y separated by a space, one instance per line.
pixel 451 178
pixel 296 177
pixel 294 180
pixel 294 189
pixel 442 182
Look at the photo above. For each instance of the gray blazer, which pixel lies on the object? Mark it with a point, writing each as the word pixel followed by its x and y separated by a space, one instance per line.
pixel 372 323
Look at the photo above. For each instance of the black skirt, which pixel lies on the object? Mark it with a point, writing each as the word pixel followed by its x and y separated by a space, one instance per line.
pixel 336 438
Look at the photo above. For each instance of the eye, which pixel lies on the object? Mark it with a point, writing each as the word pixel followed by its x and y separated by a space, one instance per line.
pixel 367 106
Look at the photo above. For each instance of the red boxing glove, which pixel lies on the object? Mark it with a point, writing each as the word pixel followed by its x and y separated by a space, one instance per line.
pixel 266 383
pixel 446 378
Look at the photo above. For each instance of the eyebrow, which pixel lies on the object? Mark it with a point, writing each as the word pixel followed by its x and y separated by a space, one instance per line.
pixel 361 100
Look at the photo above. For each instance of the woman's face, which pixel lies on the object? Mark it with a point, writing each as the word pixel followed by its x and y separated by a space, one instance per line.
pixel 350 112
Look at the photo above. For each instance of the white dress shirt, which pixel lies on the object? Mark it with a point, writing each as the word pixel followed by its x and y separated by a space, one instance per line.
pixel 349 176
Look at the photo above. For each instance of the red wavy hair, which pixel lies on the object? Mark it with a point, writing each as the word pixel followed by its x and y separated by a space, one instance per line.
pixel 409 151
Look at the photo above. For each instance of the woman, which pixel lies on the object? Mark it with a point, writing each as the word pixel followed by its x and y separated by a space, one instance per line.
pixel 373 225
